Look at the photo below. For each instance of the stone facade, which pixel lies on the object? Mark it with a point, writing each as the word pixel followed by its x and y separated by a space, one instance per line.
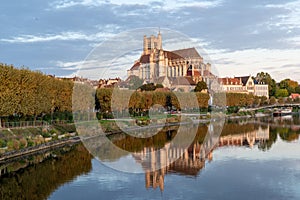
pixel 156 64
pixel 243 84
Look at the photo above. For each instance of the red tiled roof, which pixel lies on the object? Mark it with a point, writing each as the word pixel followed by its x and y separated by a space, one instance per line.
pixel 295 95
pixel 197 73
pixel 229 81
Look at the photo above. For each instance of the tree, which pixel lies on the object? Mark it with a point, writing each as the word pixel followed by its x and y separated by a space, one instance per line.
pixel 284 84
pixel 267 79
pixel 158 85
pixel 272 101
pixel 281 100
pixel 281 93
pixel 289 84
pixel 297 89
pixel 148 87
pixel 201 85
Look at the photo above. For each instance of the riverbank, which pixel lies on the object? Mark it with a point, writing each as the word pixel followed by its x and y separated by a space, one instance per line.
pixel 16 154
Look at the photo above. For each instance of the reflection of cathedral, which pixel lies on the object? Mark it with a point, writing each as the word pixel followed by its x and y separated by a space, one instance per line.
pixel 192 160
pixel 246 139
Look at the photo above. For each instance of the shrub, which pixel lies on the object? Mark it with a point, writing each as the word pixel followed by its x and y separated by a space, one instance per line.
pixel 16 145
pixel 272 101
pixel 30 143
pixel 3 143
pixel 23 143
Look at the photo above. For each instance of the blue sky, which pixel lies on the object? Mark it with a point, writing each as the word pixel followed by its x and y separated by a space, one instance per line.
pixel 240 37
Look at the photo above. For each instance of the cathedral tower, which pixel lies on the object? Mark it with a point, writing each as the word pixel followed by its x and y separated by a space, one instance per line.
pixel 151 43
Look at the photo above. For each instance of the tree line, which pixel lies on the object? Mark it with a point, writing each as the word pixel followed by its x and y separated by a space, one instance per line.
pixel 138 103
pixel 284 88
pixel 25 93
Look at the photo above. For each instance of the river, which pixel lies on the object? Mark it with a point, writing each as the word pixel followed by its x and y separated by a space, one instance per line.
pixel 251 159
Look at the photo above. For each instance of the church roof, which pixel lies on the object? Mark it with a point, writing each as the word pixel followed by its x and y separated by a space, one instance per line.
pixel 161 79
pixel 187 53
pixel 135 66
pixel 207 73
pixel 244 79
pixel 145 58
pixel 172 56
pixel 180 80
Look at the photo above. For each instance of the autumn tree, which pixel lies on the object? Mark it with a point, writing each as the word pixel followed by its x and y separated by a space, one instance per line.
pixel 201 85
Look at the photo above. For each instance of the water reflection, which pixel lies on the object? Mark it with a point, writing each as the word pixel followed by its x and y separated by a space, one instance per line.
pixel 194 158
pixel 38 176
pixel 242 142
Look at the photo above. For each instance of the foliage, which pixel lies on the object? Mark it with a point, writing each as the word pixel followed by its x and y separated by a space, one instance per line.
pixel 282 93
pixel 150 87
pixel 201 85
pixel 280 100
pixel 2 143
pixel 289 85
pixel 40 182
pixel 297 89
pixel 27 93
pixel 272 101
pixel 266 78
pixel 138 103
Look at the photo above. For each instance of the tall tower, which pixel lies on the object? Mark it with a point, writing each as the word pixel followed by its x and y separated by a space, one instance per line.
pixel 151 43
pixel 159 41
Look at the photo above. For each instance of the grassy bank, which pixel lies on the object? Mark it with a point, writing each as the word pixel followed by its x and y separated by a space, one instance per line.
pixel 21 138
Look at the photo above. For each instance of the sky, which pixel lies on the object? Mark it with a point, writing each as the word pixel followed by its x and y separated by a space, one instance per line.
pixel 239 37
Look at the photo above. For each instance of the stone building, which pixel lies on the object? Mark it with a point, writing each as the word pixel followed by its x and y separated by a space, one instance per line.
pixel 243 84
pixel 157 65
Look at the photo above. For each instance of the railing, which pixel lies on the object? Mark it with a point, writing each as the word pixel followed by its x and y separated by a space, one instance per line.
pixel 24 124
pixel 273 106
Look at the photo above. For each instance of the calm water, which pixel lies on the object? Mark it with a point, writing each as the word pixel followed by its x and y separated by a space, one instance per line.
pixel 252 160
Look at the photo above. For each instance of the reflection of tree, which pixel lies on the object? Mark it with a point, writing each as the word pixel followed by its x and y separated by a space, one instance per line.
pixel 135 144
pixel 287 135
pixel 268 143
pixel 39 181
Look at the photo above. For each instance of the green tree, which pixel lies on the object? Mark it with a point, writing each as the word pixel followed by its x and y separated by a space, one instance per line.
pixel 281 93
pixel 289 84
pixel 297 89
pixel 148 87
pixel 266 78
pixel 201 85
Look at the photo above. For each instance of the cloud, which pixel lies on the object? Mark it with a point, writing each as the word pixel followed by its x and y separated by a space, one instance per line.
pixel 61 4
pixel 165 5
pixel 64 36
pixel 295 41
pixel 280 63
pixel 291 18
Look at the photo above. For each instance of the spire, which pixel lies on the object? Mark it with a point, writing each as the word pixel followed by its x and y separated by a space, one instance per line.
pixel 159 40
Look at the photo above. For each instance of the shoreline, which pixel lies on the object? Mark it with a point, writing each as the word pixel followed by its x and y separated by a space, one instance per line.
pixel 17 154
